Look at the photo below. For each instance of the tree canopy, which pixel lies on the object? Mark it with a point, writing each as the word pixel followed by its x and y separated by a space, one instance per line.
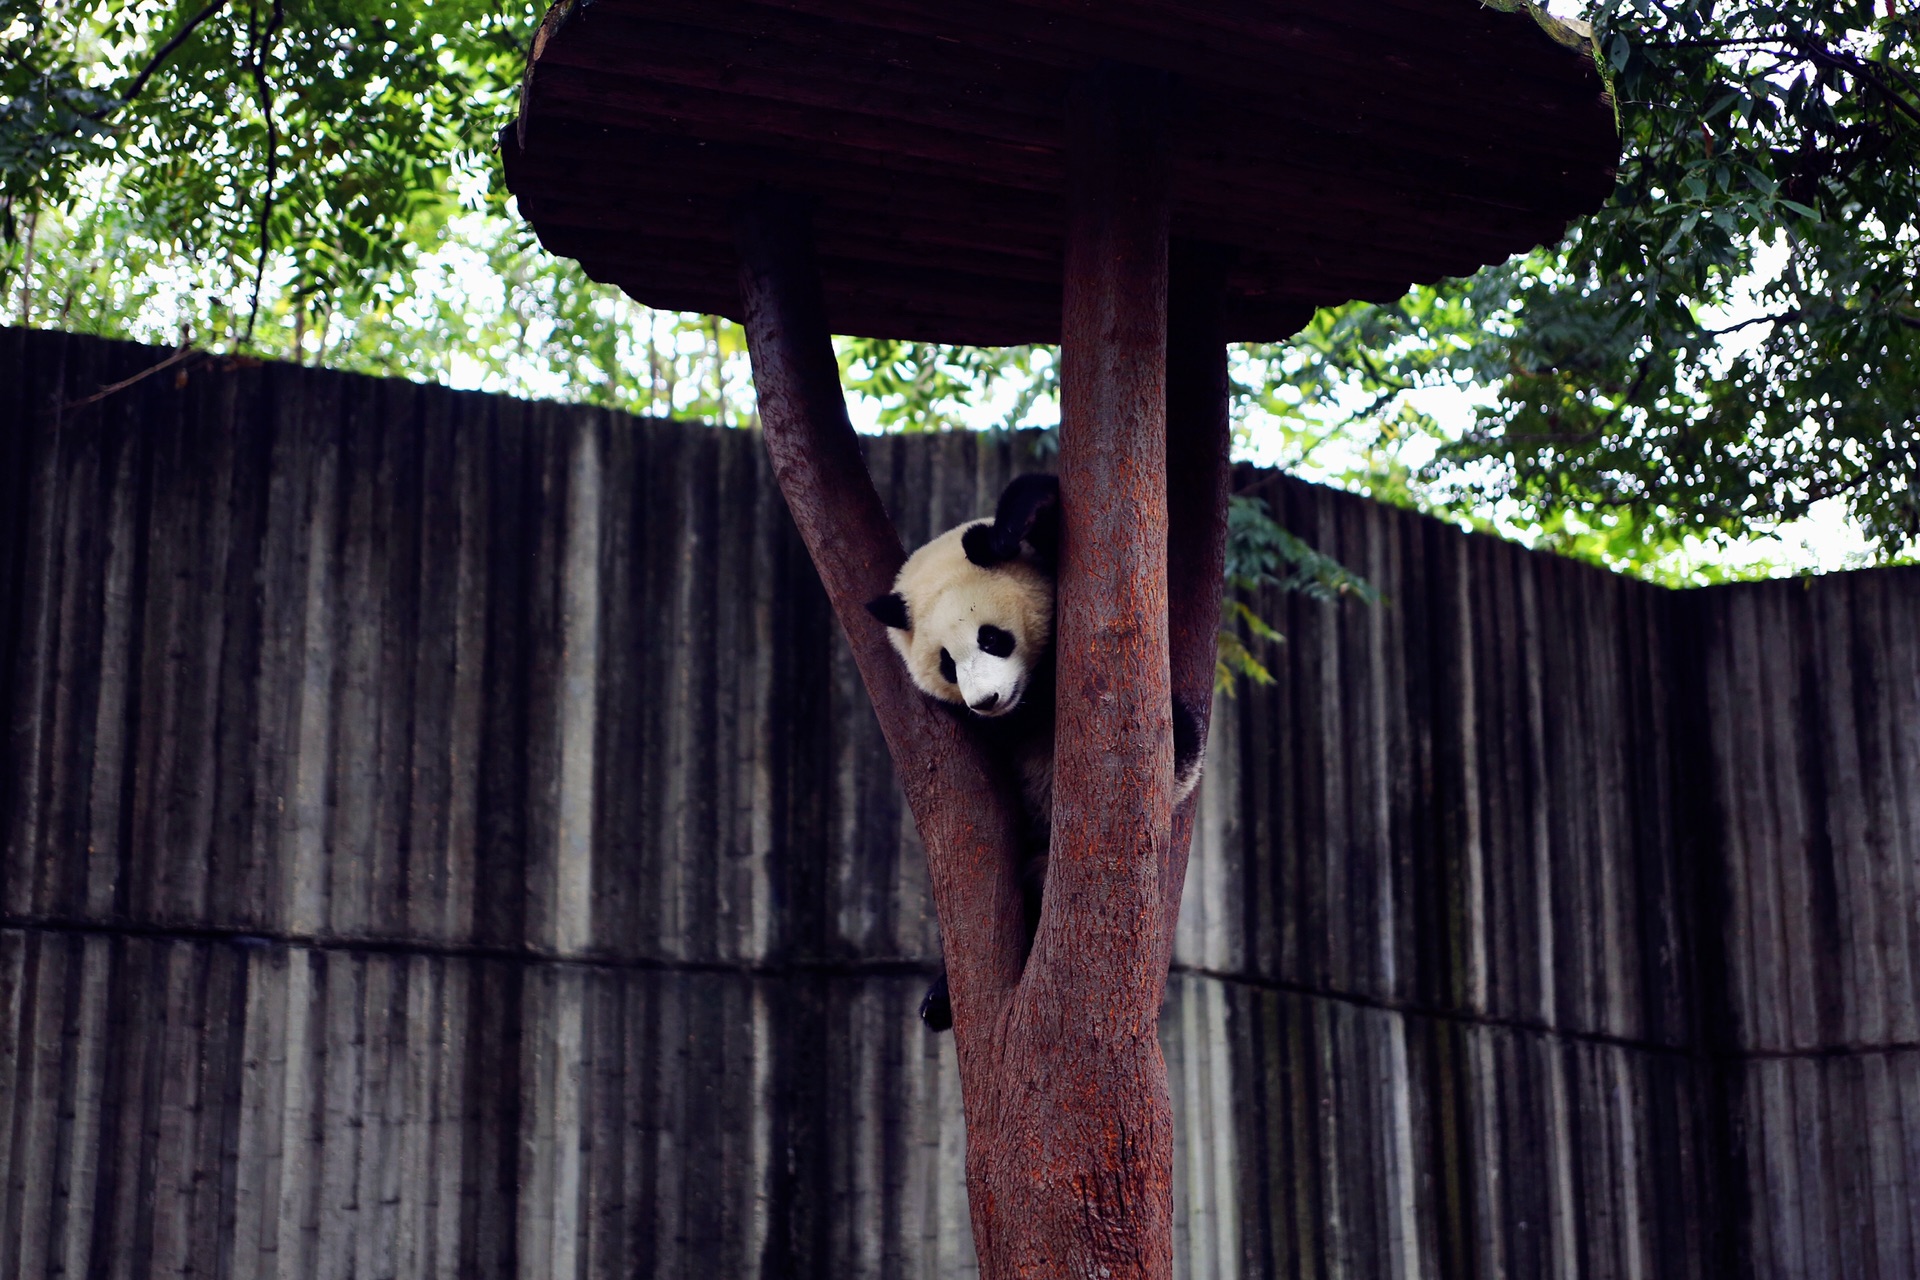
pixel 1731 341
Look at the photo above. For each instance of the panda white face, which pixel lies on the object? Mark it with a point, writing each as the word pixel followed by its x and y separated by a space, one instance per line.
pixel 986 664
pixel 969 635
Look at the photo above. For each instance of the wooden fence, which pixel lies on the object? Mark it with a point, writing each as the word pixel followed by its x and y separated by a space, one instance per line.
pixel 445 835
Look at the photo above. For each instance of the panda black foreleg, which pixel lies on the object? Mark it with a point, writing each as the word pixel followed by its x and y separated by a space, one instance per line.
pixel 1029 512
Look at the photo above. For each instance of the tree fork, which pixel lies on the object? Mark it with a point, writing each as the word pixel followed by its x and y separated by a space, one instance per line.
pixel 1069 1122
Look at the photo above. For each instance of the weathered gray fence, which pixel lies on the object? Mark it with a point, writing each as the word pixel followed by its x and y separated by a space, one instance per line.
pixel 444 835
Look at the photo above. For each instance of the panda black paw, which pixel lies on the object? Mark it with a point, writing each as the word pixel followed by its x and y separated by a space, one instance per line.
pixel 936 1010
pixel 1029 512
pixel 988 545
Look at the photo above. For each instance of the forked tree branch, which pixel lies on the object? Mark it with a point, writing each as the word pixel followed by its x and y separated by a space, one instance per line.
pixel 966 821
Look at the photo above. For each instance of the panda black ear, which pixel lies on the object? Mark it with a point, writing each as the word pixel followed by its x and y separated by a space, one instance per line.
pixel 1029 512
pixel 891 609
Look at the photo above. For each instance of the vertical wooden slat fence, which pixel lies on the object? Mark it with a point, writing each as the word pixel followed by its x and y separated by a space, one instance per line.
pixel 1812 787
pixel 1444 894
pixel 444 835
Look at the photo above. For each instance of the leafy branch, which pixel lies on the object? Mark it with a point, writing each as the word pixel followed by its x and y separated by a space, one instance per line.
pixel 262 51
pixel 166 51
pixel 1726 344
pixel 1263 557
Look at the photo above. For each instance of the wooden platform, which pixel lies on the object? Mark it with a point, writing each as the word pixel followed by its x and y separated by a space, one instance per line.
pixel 1344 150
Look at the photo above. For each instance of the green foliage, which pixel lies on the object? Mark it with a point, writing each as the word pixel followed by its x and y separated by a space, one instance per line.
pixel 1261 554
pixel 330 138
pixel 50 116
pixel 1733 339
pixel 921 386
pixel 1791 127
pixel 312 179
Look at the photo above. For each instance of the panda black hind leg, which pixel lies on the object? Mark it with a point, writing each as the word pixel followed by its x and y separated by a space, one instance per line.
pixel 1189 752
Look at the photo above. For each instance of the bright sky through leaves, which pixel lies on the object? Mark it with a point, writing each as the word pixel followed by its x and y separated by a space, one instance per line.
pixel 1622 396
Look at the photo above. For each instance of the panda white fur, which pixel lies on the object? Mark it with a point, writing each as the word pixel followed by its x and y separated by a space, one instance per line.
pixel 971 615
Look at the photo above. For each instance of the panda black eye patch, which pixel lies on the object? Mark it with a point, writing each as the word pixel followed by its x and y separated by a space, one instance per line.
pixel 947 671
pixel 996 642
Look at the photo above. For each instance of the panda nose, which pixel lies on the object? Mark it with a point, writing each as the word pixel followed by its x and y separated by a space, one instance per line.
pixel 987 703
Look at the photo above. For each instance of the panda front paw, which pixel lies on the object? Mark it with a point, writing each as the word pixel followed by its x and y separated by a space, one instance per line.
pixel 1029 512
pixel 936 1009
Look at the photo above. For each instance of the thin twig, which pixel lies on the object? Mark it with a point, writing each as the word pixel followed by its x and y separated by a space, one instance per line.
pixel 166 51
pixel 184 353
pixel 1769 44
pixel 1749 323
pixel 1395 385
pixel 265 49
pixel 26 270
pixel 1861 70
pixel 1812 51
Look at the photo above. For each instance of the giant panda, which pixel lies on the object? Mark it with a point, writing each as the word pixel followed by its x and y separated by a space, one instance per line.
pixel 971 616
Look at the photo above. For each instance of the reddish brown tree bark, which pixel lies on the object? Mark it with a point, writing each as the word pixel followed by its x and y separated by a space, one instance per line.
pixel 1078 1166
pixel 1069 1126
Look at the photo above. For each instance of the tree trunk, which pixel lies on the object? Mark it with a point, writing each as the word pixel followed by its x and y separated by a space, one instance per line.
pixel 1070 1159
pixel 1199 477
pixel 1069 1124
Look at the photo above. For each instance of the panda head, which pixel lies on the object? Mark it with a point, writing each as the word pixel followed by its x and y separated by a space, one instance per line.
pixel 971 612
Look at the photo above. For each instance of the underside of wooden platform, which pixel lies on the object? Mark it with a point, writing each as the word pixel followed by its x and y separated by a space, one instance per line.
pixel 1343 150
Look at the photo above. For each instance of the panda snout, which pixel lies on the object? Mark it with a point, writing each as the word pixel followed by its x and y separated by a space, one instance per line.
pixel 1000 702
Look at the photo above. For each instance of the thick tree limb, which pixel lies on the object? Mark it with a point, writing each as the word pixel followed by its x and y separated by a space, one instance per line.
pixel 967 824
pixel 1072 1173
pixel 1199 481
pixel 1113 759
